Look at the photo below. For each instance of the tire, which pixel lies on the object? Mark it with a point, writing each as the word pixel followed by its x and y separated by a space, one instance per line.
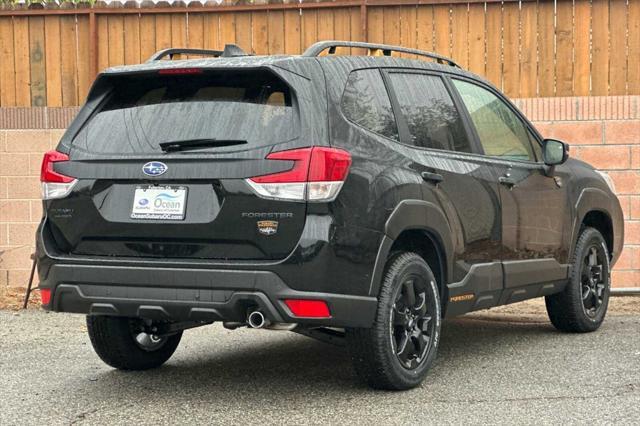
pixel 113 339
pixel 374 350
pixel 582 306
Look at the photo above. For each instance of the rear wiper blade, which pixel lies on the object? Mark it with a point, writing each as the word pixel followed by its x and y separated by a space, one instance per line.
pixel 183 145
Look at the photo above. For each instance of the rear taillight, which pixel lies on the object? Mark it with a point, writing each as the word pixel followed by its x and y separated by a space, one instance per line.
pixel 54 184
pixel 317 175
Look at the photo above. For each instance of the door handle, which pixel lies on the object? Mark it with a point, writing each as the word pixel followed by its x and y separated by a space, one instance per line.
pixel 432 177
pixel 507 181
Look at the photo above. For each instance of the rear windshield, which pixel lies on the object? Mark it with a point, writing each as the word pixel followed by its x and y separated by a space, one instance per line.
pixel 141 112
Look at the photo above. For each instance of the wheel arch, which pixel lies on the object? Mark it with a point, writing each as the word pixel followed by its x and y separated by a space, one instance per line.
pixel 421 227
pixel 427 246
pixel 600 220
pixel 594 209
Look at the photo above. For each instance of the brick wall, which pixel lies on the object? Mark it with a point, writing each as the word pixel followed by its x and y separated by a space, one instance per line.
pixel 604 131
pixel 20 207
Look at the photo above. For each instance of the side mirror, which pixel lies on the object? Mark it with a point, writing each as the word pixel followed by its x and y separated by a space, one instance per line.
pixel 554 152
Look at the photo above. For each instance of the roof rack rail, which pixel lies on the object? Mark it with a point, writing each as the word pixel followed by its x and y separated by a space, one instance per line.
pixel 319 47
pixel 230 50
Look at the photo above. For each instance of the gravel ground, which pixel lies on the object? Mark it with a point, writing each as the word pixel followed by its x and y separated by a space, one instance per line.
pixel 502 366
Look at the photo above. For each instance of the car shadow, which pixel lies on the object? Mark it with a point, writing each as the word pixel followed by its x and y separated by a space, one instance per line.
pixel 273 364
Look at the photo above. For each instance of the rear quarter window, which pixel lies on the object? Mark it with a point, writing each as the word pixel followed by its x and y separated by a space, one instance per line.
pixel 366 103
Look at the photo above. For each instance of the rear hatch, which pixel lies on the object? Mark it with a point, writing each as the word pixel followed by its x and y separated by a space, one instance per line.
pixel 160 167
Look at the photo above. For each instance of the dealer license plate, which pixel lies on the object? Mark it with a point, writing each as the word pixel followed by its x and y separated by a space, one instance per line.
pixel 159 202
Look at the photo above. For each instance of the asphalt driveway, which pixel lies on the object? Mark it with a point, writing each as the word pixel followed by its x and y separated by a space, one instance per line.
pixel 491 368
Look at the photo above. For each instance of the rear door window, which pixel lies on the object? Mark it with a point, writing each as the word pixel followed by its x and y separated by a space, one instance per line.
pixel 429 112
pixel 141 112
pixel 366 103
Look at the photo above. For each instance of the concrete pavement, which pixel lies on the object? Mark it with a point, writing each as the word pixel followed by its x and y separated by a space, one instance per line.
pixel 491 368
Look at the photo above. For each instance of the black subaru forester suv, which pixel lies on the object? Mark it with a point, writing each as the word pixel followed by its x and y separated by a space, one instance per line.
pixel 355 199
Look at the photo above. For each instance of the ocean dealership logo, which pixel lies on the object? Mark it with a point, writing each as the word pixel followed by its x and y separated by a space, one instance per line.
pixel 167 201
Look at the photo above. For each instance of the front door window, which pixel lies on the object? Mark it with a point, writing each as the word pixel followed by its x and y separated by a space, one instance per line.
pixel 501 132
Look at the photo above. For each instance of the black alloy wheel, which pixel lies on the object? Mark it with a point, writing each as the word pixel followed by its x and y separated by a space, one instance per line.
pixel 593 280
pixel 411 322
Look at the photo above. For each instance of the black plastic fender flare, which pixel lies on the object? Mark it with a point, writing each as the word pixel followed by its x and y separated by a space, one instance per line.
pixel 594 199
pixel 414 215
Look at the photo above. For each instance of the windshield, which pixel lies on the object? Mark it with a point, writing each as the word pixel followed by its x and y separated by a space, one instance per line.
pixel 142 112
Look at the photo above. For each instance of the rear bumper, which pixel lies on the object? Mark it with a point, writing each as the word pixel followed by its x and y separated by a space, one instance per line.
pixel 181 294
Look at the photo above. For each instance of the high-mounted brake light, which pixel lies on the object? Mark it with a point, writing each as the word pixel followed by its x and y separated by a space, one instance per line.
pixel 180 71
pixel 54 184
pixel 308 308
pixel 317 175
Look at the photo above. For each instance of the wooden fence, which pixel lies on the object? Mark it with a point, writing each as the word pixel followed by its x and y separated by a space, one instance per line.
pixel 528 48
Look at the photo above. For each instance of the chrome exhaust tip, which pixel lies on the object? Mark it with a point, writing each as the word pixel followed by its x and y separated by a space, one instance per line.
pixel 256 319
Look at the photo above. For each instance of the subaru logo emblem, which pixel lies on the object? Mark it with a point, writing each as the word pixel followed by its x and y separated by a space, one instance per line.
pixel 154 168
